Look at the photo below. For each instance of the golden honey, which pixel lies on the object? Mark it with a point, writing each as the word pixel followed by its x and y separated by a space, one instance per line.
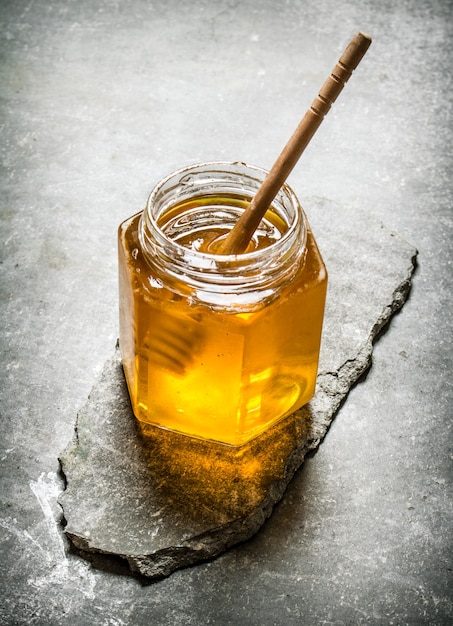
pixel 218 347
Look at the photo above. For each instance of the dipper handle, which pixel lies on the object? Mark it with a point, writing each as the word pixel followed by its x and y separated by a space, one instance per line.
pixel 240 235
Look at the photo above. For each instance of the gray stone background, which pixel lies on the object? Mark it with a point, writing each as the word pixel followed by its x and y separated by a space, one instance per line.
pixel 99 100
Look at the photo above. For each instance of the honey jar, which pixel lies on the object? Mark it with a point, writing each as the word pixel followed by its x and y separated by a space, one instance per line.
pixel 218 347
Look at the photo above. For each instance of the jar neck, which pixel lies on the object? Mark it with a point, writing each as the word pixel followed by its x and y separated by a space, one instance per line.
pixel 216 194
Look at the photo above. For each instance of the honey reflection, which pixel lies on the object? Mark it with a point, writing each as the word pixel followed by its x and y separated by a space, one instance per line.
pixel 212 482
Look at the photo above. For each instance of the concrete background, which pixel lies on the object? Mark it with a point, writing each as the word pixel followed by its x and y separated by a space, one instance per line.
pixel 99 100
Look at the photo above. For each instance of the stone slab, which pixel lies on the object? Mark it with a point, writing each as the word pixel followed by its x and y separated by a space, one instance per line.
pixel 155 501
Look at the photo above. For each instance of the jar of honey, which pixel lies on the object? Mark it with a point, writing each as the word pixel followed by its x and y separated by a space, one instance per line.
pixel 218 347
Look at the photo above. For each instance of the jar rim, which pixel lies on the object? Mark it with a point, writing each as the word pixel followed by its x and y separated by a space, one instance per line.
pixel 208 166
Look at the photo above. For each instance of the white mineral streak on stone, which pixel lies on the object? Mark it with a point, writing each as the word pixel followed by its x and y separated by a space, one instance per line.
pixel 46 489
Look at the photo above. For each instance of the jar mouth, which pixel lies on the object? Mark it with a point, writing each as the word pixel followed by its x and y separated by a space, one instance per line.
pixel 230 282
pixel 231 177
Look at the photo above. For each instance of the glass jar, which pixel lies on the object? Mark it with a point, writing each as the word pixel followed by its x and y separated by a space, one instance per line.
pixel 218 347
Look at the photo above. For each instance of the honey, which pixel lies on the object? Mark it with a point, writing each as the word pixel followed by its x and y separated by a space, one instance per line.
pixel 218 347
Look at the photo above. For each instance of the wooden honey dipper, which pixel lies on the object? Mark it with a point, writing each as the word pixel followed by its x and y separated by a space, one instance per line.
pixel 240 235
pixel 170 348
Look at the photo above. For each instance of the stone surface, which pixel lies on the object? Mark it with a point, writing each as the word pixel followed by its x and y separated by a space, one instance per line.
pixel 158 501
pixel 91 117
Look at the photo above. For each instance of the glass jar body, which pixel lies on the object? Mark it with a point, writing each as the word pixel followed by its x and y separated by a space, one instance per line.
pixel 218 347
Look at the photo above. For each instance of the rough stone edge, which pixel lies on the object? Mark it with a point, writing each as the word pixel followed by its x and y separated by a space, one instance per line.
pixel 333 389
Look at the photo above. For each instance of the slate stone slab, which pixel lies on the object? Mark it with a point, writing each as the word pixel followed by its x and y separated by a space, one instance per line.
pixel 157 501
